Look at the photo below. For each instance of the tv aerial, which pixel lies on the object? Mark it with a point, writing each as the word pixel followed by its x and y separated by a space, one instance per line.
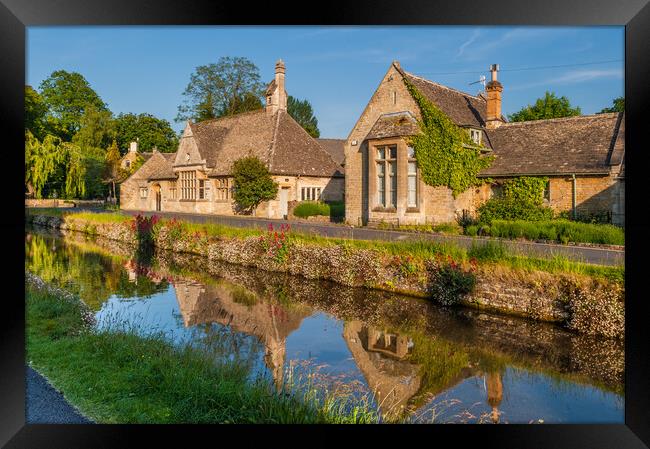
pixel 480 80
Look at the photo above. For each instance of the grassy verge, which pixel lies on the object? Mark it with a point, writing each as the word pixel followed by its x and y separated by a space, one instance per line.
pixel 421 249
pixel 122 377
pixel 561 231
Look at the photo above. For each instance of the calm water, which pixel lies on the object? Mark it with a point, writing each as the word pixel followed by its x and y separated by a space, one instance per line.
pixel 403 355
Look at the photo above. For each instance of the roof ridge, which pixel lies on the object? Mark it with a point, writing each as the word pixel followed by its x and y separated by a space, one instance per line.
pixel 561 119
pixel 478 97
pixel 274 140
pixel 226 117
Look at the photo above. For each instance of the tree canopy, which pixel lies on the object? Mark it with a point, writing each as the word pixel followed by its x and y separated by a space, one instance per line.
pixel 148 130
pixel 544 108
pixel 303 113
pixel 618 105
pixel 229 86
pixel 68 95
pixel 35 113
pixel 252 184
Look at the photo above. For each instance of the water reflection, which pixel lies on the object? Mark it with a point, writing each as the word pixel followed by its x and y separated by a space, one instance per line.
pixel 416 359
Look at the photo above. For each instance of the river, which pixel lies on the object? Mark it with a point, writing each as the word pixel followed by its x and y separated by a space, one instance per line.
pixel 405 356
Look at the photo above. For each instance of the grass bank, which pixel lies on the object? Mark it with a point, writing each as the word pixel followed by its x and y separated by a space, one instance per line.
pixel 485 276
pixel 119 376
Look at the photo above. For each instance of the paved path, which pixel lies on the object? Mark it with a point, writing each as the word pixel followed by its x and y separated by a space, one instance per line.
pixel 45 405
pixel 593 255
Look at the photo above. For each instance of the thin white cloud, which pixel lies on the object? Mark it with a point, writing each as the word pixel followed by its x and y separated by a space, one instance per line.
pixel 468 42
pixel 574 77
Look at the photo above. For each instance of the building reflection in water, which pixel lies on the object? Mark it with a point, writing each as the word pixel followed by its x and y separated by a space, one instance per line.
pixel 233 306
pixel 494 387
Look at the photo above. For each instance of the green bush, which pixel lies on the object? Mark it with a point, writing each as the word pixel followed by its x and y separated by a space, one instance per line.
pixel 337 209
pixel 563 231
pixel 471 230
pixel 512 209
pixel 311 208
pixel 452 283
pixel 488 251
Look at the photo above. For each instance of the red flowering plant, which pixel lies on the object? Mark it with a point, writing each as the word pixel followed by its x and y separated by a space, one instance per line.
pixel 452 281
pixel 145 229
pixel 174 230
pixel 276 243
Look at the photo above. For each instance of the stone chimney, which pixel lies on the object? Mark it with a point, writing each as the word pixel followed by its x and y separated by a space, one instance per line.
pixel 133 147
pixel 276 95
pixel 493 90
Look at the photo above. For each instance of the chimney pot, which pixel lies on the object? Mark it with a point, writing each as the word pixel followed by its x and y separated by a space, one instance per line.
pixel 493 89
pixel 133 147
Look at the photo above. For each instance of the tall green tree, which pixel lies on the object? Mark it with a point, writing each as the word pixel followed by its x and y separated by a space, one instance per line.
pixel 67 96
pixel 544 108
pixel 148 130
pixel 303 113
pixel 252 184
pixel 35 113
pixel 618 106
pixel 55 164
pixel 220 89
pixel 113 172
pixel 96 129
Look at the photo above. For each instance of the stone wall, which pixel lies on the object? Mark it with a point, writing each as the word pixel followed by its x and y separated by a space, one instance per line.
pixel 536 295
pixel 331 190
pixel 593 193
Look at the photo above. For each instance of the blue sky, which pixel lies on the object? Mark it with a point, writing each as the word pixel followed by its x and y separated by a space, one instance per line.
pixel 146 69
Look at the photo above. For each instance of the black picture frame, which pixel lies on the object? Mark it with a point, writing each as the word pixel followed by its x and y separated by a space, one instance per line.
pixel 15 15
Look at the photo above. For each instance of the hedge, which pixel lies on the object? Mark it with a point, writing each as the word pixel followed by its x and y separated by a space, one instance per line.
pixel 562 231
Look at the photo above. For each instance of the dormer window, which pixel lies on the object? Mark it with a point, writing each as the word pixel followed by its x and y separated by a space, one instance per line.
pixel 475 135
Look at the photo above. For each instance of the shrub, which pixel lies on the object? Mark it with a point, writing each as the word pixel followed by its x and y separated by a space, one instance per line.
pixel 511 209
pixel 600 217
pixel 337 209
pixel 488 251
pixel 563 231
pixel 252 184
pixel 451 283
pixel 596 311
pixel 311 208
pixel 145 229
pixel 471 230
pixel 276 244
pixel 448 228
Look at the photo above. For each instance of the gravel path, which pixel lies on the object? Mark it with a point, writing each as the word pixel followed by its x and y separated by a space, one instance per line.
pixel 45 405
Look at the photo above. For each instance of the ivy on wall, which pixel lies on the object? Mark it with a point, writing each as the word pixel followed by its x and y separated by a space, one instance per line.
pixel 526 189
pixel 445 153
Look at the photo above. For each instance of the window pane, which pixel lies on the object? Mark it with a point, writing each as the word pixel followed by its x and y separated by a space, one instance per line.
pixel 412 168
pixel 393 184
pixel 393 152
pixel 381 153
pixel 412 192
pixel 410 151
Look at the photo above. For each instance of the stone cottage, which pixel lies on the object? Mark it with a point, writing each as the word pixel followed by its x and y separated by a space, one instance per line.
pixel 197 178
pixel 582 156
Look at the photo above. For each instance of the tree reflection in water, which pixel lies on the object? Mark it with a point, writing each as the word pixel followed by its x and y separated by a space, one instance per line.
pixel 407 351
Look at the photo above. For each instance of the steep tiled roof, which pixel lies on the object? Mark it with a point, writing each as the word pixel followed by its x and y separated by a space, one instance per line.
pixel 335 147
pixel 582 144
pixel 277 140
pixel 157 166
pixel 394 124
pixel 462 108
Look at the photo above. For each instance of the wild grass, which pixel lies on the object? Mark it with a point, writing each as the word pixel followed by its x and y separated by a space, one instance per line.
pixel 116 376
pixel 562 231
pixel 416 248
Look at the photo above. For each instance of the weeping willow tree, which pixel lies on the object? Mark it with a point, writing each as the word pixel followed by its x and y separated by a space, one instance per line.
pixel 43 159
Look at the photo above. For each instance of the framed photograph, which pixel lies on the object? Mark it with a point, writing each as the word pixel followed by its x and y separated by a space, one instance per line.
pixel 393 214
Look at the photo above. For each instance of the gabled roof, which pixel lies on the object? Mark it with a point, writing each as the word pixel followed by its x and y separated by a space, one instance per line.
pixel 157 166
pixel 462 108
pixel 394 124
pixel 335 147
pixel 587 144
pixel 277 140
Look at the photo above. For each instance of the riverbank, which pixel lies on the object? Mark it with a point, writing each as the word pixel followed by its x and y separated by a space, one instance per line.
pixel 120 376
pixel 582 297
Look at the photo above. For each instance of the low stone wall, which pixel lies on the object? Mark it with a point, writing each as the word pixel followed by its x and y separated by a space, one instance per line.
pixel 63 203
pixel 583 304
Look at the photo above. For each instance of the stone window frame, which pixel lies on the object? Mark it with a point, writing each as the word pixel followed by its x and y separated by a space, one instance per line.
pixel 410 159
pixel 477 132
pixel 311 193
pixel 144 192
pixel 172 190
pixel 386 155
pixel 188 180
pixel 222 192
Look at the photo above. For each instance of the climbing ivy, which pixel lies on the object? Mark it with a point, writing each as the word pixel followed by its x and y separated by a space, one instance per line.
pixel 526 189
pixel 445 153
